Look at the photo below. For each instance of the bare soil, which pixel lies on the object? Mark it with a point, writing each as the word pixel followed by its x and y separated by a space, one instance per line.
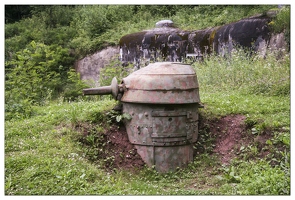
pixel 229 132
pixel 232 137
pixel 125 154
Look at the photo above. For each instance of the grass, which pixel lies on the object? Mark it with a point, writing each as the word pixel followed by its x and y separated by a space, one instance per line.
pixel 256 87
pixel 261 111
pixel 43 156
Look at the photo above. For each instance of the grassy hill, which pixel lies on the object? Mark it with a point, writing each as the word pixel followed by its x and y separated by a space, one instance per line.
pixel 65 147
pixel 49 153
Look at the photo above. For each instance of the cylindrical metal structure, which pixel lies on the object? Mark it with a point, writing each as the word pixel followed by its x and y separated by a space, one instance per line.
pixel 113 89
pixel 162 101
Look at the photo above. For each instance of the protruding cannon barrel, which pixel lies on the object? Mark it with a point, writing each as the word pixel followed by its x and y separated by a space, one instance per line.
pixel 105 90
pixel 113 89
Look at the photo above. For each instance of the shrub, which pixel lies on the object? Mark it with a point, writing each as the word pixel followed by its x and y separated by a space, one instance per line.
pixel 33 76
pixel 281 23
pixel 74 86
pixel 114 69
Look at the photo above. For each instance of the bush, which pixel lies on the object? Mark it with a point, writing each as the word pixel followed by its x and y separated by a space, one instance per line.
pixel 92 21
pixel 74 87
pixel 114 69
pixel 21 34
pixel 33 76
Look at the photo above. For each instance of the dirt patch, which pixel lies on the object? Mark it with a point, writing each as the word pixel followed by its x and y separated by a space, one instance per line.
pixel 125 154
pixel 232 138
pixel 229 132
pixel 111 147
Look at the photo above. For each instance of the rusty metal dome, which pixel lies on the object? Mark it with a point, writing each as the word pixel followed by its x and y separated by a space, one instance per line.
pixel 162 83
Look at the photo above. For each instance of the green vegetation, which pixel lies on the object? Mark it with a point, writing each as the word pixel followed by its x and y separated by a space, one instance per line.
pixel 45 113
pixel 34 77
pixel 43 42
pixel 114 69
pixel 282 23
pixel 256 83
pixel 50 159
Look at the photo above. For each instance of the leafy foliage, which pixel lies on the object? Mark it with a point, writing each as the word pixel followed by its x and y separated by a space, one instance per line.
pixel 43 150
pixel 33 76
pixel 204 16
pixel 281 23
pixel 74 86
pixel 54 16
pixel 92 21
pixel 114 69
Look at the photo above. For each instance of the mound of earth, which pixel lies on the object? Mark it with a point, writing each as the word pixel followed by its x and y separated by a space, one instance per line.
pixel 232 137
pixel 124 153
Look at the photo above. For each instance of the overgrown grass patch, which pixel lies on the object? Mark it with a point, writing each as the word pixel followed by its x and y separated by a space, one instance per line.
pixel 43 155
pixel 51 163
pixel 253 86
pixel 246 74
pixel 255 178
pixel 261 111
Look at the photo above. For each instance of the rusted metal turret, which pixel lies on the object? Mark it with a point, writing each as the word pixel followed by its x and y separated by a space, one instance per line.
pixel 162 102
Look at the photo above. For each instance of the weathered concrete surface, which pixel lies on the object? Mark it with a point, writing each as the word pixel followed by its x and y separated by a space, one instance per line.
pixel 90 66
pixel 167 43
pixel 248 33
pixel 159 44
pixel 277 41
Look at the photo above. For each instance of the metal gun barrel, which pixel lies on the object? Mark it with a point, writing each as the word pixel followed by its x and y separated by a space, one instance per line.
pixel 105 90
pixel 113 89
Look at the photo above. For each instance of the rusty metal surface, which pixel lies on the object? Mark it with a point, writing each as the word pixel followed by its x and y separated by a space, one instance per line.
pixel 171 68
pixel 161 97
pixel 162 102
pixel 166 159
pixel 105 90
pixel 161 83
pixel 163 134
pixel 158 124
